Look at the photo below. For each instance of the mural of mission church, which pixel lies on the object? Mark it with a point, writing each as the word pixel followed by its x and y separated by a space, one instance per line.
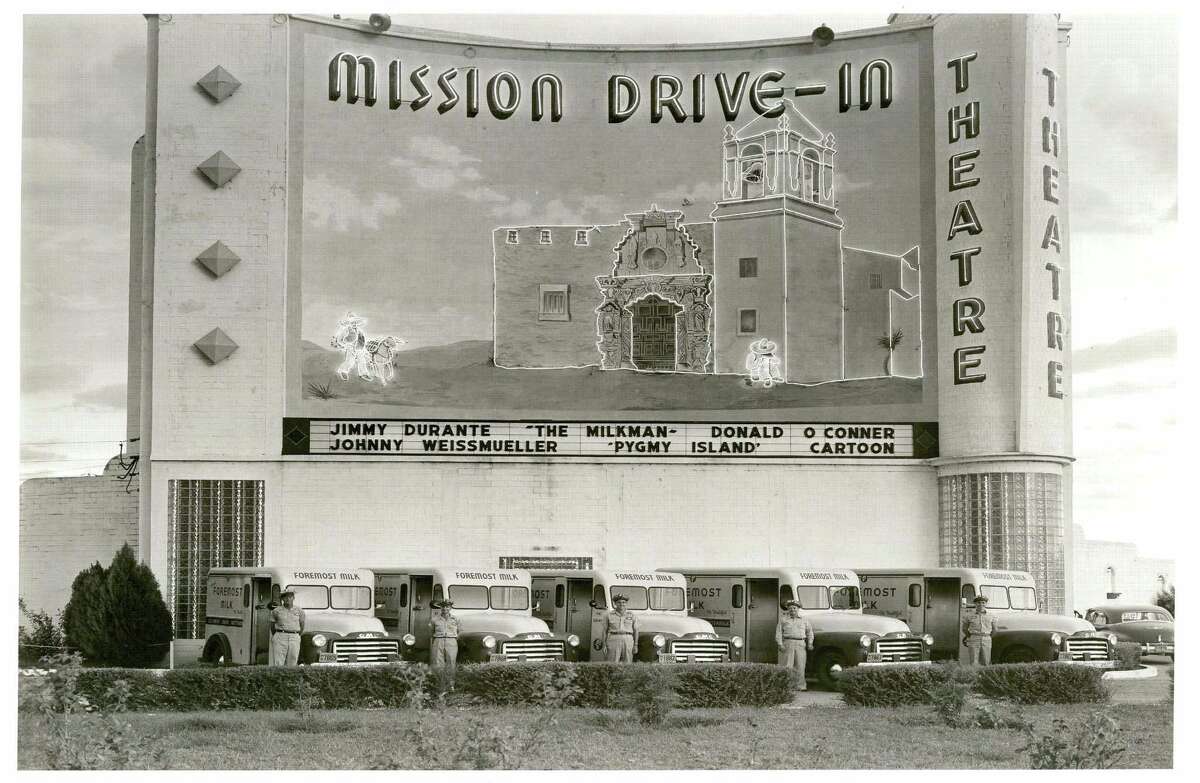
pixel 765 289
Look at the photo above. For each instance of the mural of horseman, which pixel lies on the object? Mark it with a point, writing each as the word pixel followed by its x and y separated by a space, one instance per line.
pixel 372 358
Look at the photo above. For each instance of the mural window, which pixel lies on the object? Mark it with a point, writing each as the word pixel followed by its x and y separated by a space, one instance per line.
pixel 512 237
pixel 581 237
pixel 553 303
pixel 747 321
pixel 747 267
pixel 875 281
pixel 544 236
pixel 211 524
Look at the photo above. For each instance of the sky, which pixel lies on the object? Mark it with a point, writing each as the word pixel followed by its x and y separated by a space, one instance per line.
pixel 83 109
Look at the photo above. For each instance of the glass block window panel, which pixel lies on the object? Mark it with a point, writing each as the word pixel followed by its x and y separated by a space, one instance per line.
pixel 212 524
pixel 1009 521
pixel 747 321
pixel 554 303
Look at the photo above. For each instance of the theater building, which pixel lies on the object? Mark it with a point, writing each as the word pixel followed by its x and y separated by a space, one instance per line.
pixel 353 342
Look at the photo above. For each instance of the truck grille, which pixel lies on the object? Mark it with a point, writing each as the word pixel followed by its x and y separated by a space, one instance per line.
pixel 895 650
pixel 701 650
pixel 1088 649
pixel 535 650
pixel 365 650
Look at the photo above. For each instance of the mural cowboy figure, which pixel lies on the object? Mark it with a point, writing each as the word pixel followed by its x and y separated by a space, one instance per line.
pixel 351 340
pixel 978 629
pixel 763 364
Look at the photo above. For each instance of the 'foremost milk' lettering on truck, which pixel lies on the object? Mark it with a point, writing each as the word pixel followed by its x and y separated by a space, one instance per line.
pixel 937 601
pixel 329 576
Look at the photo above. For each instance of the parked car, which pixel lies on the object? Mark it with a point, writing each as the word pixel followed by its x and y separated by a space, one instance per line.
pixel 1150 626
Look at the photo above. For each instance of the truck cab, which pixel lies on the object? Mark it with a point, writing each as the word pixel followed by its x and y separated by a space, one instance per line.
pixel 938 600
pixel 576 602
pixel 493 607
pixel 749 603
pixel 340 625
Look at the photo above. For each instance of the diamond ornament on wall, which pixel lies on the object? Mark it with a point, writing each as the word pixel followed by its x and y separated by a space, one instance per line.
pixel 219 84
pixel 219 169
pixel 218 259
pixel 216 346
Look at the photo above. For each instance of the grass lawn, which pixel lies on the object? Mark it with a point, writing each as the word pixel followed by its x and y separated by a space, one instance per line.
pixel 816 737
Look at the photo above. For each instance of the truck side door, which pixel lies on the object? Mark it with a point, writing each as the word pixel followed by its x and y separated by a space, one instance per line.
pixel 942 601
pixel 899 596
pixel 390 606
pixel 578 613
pixel 761 619
pixel 261 619
pixel 420 593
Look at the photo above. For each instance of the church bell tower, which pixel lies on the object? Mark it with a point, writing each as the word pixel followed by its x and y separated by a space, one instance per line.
pixel 778 249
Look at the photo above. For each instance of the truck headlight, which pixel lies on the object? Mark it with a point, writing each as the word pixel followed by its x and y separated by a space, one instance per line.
pixel 659 640
pixel 318 640
pixel 864 641
pixel 409 639
pixel 1112 638
pixel 573 640
pixel 737 642
pixel 489 641
pixel 1056 640
pixel 928 639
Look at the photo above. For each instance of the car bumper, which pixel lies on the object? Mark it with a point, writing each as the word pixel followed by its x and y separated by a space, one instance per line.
pixel 896 663
pixel 1096 664
pixel 1158 648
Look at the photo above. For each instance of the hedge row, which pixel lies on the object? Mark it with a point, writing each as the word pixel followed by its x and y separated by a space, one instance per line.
pixel 333 687
pixel 1024 683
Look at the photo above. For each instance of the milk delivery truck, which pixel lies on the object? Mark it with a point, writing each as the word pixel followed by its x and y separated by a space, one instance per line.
pixel 938 600
pixel 575 603
pixel 747 602
pixel 495 617
pixel 339 622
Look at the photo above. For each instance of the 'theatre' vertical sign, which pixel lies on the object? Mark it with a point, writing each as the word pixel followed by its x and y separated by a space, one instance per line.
pixel 1046 348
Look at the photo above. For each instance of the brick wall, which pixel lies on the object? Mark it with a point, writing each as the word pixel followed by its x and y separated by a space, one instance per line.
pixel 66 525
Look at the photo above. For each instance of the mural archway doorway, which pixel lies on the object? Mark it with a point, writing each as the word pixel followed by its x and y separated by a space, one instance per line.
pixel 653 333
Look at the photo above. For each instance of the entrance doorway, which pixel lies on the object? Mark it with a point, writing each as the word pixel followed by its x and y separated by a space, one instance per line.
pixel 653 343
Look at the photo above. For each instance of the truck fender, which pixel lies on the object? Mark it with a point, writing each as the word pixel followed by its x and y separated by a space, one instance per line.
pixel 216 648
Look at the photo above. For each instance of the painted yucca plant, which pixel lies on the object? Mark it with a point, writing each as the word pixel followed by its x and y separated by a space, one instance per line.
pixel 889 344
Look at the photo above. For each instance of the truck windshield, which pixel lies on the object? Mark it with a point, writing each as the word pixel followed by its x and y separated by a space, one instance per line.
pixel 666 599
pixel 350 597
pixel 845 597
pixel 310 596
pixel 510 598
pixel 636 595
pixel 468 596
pixel 1022 598
pixel 996 595
pixel 813 596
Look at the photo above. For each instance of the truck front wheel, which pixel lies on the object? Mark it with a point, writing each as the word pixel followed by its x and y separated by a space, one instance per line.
pixel 823 667
pixel 1019 654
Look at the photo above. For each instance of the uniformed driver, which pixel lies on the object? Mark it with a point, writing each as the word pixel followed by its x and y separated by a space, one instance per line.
pixel 978 629
pixel 287 624
pixel 620 632
pixel 794 637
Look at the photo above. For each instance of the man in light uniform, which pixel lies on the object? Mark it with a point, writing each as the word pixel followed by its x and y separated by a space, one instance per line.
pixel 794 637
pixel 287 623
pixel 444 644
pixel 978 629
pixel 620 632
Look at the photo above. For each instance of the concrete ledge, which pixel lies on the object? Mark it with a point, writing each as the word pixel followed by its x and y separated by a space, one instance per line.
pixel 1143 673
